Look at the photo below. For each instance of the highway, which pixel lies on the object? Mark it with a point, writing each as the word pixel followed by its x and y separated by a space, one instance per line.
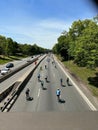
pixel 8 82
pixel 46 100
pixel 77 111
pixel 17 63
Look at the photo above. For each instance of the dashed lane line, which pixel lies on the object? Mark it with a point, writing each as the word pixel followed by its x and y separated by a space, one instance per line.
pixel 38 93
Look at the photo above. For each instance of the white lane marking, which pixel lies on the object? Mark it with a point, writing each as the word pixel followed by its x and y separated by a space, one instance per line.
pixel 38 93
pixel 92 107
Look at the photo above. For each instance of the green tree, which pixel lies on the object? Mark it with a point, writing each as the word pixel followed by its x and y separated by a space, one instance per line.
pixel 9 47
pixel 80 43
pixel 2 45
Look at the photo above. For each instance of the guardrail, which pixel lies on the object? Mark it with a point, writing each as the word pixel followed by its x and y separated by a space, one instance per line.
pixel 2 78
pixel 15 90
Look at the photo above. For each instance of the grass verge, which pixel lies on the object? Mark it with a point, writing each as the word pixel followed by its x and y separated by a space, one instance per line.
pixel 5 59
pixel 87 76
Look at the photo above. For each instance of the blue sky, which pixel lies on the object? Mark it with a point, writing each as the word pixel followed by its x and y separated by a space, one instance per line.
pixel 41 21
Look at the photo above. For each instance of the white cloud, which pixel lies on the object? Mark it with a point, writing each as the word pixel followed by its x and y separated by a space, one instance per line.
pixel 42 32
pixel 53 24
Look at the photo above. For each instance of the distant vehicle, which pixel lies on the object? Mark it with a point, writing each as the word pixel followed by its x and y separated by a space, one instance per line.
pixel 4 71
pixel 9 65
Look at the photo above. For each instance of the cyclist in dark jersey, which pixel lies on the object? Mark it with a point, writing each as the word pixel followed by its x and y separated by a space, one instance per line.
pixel 27 93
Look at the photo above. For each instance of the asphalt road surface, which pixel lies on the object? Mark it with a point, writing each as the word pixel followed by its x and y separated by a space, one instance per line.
pixel 46 100
pixel 17 63
pixel 44 112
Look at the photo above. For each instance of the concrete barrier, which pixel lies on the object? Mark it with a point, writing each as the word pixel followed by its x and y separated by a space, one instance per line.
pixel 5 92
pixel 23 83
pixel 2 78
pixel 15 89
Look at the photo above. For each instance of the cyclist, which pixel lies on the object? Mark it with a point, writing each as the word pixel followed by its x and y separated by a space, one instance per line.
pixel 42 84
pixel 58 93
pixel 46 78
pixel 27 93
pixel 45 66
pixel 38 77
pixel 61 80
pixel 67 80
pixel 35 62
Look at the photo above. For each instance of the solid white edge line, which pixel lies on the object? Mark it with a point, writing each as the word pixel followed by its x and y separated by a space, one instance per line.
pixel 92 107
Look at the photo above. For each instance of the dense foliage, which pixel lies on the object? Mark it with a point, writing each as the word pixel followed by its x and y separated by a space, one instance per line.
pixel 80 43
pixel 9 47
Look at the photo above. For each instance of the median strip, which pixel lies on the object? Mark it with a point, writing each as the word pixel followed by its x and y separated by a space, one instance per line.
pixel 19 87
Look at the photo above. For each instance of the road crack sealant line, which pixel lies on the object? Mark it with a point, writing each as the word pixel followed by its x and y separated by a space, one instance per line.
pixel 92 107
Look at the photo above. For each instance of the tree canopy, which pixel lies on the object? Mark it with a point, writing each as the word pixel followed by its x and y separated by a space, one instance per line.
pixel 80 43
pixel 9 47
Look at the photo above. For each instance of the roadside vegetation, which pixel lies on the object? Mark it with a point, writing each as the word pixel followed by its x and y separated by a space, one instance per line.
pixel 78 50
pixel 11 50
pixel 86 75
pixel 6 59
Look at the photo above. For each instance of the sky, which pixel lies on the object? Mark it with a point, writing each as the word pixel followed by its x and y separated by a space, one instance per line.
pixel 41 22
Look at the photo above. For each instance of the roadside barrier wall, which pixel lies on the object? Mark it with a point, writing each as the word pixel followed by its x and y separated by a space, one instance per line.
pixel 15 89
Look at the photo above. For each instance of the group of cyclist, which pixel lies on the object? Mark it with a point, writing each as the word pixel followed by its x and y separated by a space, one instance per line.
pixel 46 78
pixel 58 91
